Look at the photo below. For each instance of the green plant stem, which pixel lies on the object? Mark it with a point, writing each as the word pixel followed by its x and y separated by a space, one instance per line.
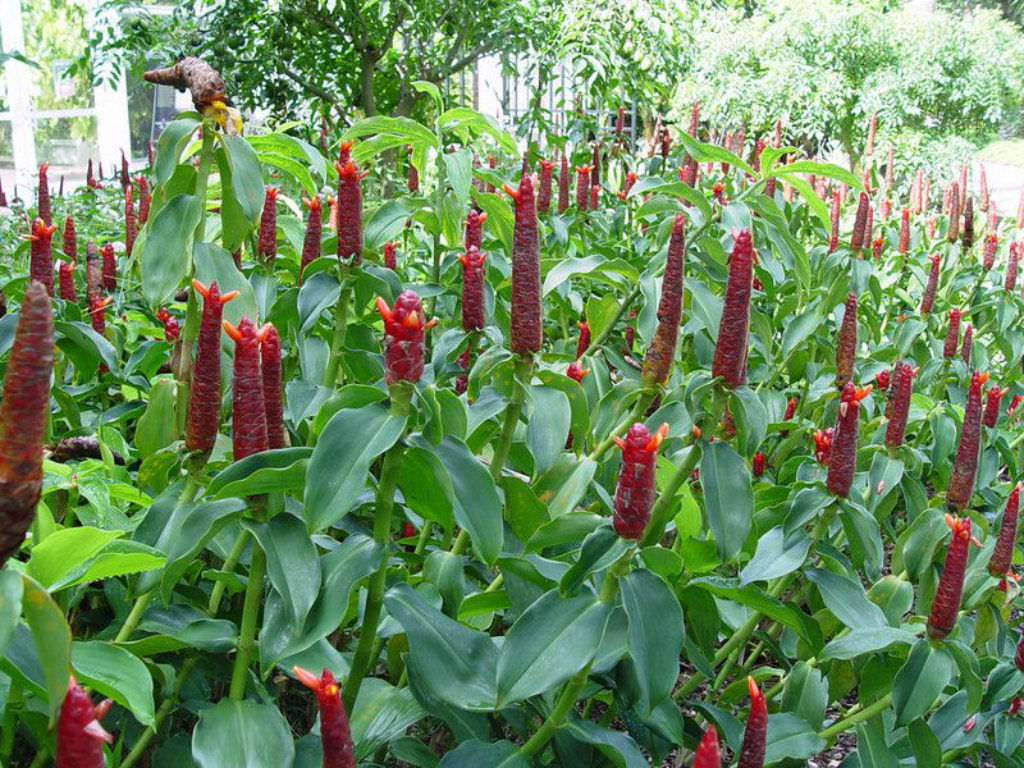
pixel 247 630
pixel 566 700
pixel 188 493
pixel 39 759
pixel 203 176
pixel 217 593
pixel 10 724
pixel 660 509
pixel 165 709
pixel 496 583
pixel 401 395
pixel 610 584
pixel 854 717
pixel 641 405
pixel 421 542
pixel 340 327
pixel 524 372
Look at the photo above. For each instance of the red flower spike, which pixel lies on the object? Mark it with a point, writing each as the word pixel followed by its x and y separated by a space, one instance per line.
pixel 66 280
pixel 390 260
pixel 730 361
pixel 204 394
pixel 350 212
pixel 266 248
pixel 595 166
pixel 1014 402
pixel 23 414
pixel 97 312
pixel 526 333
pixel 70 240
pixel 952 334
pixel 563 184
pixel 954 213
pixel 620 122
pixel 474 229
pixel 595 197
pixel 988 257
pixel 311 242
pixel 628 184
pixel 109 267
pixel 882 379
pixel 544 188
pixel 708 752
pixel 928 299
pixel 860 224
pixel 1002 554
pixel 41 254
pixel 171 328
pixel 846 349
pixel 582 186
pixel 993 397
pixel 898 406
pixel 842 462
pixel 270 366
pixel 248 408
pixel 335 734
pixel 833 241
pixel 929 227
pixel 473 290
pixel 758 464
pixel 869 226
pixel 662 352
pixel 144 199
pixel 967 236
pixel 584 341
pixel 788 414
pixel 413 182
pixel 961 484
pixel 904 242
pixel 1018 657
pixel 43 210
pixel 965 347
pixel 634 493
pixel 404 328
pixel 131 224
pixel 752 749
pixel 80 736
pixel 949 592
pixel 1010 281
pixel 576 372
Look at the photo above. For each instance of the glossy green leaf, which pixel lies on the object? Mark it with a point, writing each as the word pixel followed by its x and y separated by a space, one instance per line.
pixel 292 562
pixel 655 634
pixel 777 554
pixel 52 637
pixel 477 505
pixel 116 674
pixel 277 471
pixel 63 550
pixel 728 497
pixel 920 681
pixel 473 754
pixel 167 252
pixel 242 734
pixel 10 606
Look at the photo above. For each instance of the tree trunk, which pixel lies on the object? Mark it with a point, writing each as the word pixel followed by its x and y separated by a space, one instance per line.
pixel 367 99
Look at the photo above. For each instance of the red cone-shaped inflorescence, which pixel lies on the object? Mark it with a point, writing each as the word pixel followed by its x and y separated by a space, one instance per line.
pixel 869 227
pixel 335 735
pixel 903 244
pixel 946 604
pixel 898 407
pixel 544 186
pixel 66 280
pixel 23 412
pixel 988 257
pixel 270 366
pixel 954 213
pixel 789 413
pixel 109 267
pixel 928 298
pixel 846 349
pixel 627 185
pixel 474 234
pixel 758 464
pixel 752 749
pixel 833 241
pixel 860 223
pixel 595 166
pixel 993 398
pixel 620 122
pixel 248 406
pixel 661 354
pixel 595 197
pixel 949 347
pixel 967 236
pixel 204 395
pixel 390 260
pixel 314 232
pixel 582 187
pixel 576 372
pixel 41 254
pixel 730 361
pixel 961 483
pixel 90 178
pixel 124 171
pixel 882 380
pixel 584 341
pixel 404 329
pixel 1010 280
pixel 98 313
pixel 634 493
pixel 1018 657
pixel 266 248
pixel 43 210
pixel 709 754
pixel 526 332
pixel 144 199
pixel 80 736
pixel 414 174
pixel 823 439
pixel 93 272
pixel 131 224
pixel 563 184
pixel 70 240
pixel 842 463
pixel 172 331
pixel 473 318
pixel 350 212
pixel 965 347
pixel 1002 554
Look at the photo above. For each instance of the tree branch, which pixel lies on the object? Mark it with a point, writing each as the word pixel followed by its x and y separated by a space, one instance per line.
pixel 313 88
